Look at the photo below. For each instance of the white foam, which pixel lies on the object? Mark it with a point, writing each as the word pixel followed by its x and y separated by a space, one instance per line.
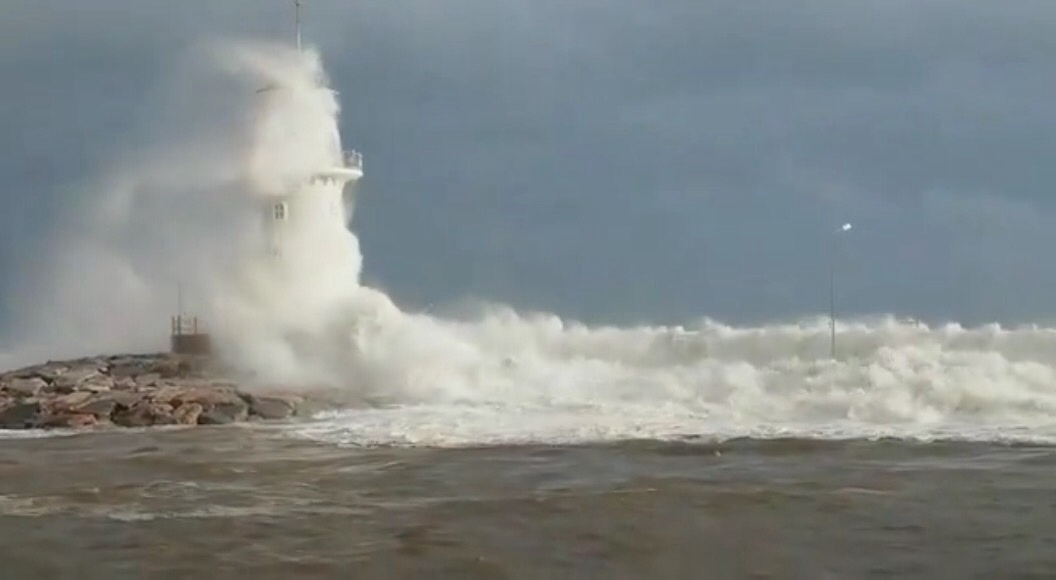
pixel 467 427
pixel 186 206
pixel 509 379
pixel 899 380
pixel 8 434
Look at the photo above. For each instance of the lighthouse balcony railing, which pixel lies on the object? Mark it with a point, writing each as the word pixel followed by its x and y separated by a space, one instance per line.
pixel 353 159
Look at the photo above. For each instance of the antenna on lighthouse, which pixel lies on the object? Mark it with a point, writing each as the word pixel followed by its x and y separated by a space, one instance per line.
pixel 297 16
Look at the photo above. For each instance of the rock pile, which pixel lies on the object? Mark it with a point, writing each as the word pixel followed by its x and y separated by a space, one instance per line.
pixel 131 391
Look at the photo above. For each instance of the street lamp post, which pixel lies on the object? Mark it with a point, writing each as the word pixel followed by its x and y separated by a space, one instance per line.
pixel 832 287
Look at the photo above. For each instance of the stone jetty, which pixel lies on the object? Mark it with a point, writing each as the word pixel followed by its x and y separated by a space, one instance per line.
pixel 133 391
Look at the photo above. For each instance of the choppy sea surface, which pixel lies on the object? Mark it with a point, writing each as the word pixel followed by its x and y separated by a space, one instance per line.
pixel 260 501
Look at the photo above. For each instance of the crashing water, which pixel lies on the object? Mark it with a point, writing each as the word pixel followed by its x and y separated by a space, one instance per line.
pixel 183 207
pixel 526 380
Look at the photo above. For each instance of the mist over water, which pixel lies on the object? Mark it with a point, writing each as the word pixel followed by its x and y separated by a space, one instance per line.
pixel 240 121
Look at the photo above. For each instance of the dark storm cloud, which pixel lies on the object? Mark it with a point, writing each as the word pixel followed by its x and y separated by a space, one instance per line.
pixel 623 160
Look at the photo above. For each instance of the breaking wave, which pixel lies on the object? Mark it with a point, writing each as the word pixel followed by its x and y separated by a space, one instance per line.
pixel 183 210
pixel 545 381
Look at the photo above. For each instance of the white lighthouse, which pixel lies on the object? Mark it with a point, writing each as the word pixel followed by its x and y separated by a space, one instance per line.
pixel 304 222
pixel 320 200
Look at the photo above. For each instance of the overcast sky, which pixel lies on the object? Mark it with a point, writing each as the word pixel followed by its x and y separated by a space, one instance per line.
pixel 619 161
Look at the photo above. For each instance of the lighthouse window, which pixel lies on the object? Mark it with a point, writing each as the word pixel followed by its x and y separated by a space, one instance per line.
pixel 280 211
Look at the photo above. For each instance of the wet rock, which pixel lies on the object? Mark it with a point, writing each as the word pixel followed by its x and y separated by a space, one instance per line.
pixel 73 378
pixel 27 387
pixel 209 397
pixel 215 417
pixel 105 405
pixel 68 402
pixel 48 371
pixel 134 391
pixel 162 414
pixel 167 393
pixel 124 367
pixel 126 399
pixel 135 417
pixel 20 416
pixel 320 401
pixel 98 385
pixel 67 421
pixel 235 411
pixel 221 407
pixel 273 407
pixel 188 414
pixel 145 414
pixel 147 380
pixel 170 368
pixel 124 371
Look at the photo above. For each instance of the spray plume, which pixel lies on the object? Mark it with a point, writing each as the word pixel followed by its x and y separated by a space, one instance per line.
pixel 240 122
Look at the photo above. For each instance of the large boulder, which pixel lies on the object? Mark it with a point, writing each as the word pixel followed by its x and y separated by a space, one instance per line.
pixel 218 417
pixel 67 421
pixel 105 404
pixel 188 414
pixel 208 396
pixel 129 366
pixel 65 403
pixel 20 416
pixel 26 387
pixel 147 380
pixel 273 407
pixel 145 414
pixel 74 378
pixel 48 371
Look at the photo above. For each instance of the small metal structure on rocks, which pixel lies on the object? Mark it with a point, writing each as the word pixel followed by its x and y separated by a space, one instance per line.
pixel 186 336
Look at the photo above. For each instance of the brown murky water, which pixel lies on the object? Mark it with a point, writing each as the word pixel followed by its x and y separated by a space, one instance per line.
pixel 247 502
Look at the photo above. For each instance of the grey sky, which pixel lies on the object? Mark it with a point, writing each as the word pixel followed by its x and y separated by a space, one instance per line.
pixel 623 160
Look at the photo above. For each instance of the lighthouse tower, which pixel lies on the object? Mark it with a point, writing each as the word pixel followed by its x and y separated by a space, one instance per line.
pixel 321 199
pixel 316 203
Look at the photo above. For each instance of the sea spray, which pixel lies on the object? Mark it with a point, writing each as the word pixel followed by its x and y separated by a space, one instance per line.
pixel 179 211
pixel 241 121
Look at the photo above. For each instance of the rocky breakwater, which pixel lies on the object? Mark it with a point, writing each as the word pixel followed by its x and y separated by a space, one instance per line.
pixel 132 391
